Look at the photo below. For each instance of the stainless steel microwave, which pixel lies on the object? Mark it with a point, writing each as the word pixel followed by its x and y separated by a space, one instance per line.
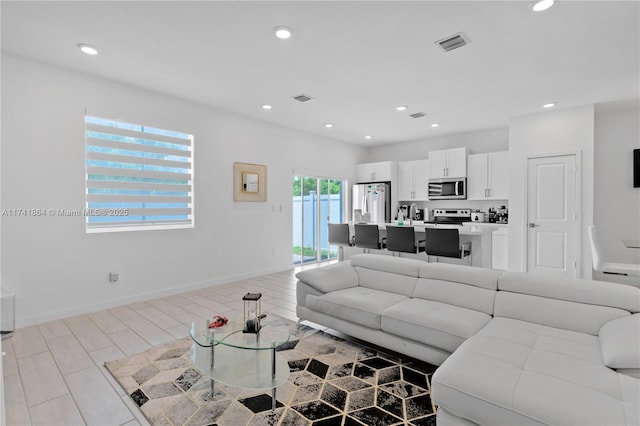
pixel 448 189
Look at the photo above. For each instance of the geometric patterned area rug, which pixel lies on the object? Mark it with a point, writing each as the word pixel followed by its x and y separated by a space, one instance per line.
pixel 332 382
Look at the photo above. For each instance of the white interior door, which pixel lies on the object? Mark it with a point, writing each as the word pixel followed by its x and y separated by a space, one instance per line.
pixel 552 215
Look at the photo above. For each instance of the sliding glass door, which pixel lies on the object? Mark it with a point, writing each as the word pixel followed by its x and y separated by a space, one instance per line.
pixel 316 202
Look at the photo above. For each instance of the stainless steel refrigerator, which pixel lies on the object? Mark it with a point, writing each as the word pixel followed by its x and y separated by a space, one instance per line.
pixel 371 202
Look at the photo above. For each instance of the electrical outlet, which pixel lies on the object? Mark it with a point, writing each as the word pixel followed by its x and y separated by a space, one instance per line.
pixel 113 277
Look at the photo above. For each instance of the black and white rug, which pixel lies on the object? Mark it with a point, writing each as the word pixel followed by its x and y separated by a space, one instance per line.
pixel 332 382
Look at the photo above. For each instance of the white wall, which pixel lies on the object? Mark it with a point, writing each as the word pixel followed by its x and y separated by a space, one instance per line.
pixel 560 131
pixel 477 142
pixel 617 202
pixel 481 141
pixel 57 270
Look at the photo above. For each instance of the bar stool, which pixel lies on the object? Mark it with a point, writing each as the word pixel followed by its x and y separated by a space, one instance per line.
pixel 339 236
pixel 368 237
pixel 402 239
pixel 445 242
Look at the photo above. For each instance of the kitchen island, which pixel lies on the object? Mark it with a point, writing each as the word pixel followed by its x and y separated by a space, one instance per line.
pixel 479 236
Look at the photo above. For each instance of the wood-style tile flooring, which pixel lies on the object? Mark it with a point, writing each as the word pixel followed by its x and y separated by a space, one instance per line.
pixel 54 373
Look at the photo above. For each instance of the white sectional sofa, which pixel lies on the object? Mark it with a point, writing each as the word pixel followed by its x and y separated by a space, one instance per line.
pixel 512 348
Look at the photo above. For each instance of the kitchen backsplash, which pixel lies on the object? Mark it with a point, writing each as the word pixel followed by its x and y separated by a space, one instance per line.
pixel 483 206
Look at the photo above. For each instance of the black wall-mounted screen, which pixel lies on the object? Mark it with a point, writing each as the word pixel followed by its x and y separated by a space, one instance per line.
pixel 636 168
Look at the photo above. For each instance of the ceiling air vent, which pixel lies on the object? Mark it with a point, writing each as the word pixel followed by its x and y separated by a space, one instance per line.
pixel 417 115
pixel 455 41
pixel 302 97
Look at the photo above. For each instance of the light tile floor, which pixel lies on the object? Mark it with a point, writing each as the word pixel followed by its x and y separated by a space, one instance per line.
pixel 54 372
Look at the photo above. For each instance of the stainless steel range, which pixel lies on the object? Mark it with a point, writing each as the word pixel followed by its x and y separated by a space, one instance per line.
pixel 451 216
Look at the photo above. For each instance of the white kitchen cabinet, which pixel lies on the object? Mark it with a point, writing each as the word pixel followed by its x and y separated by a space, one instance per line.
pixel 413 179
pixel 477 172
pixel 500 249
pixel 448 163
pixel 487 176
pixel 381 171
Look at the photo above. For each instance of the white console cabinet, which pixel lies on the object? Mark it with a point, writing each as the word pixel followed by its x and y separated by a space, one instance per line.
pixel 487 176
pixel 448 163
pixel 413 177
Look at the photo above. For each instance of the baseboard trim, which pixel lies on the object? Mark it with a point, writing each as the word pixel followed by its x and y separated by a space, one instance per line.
pixel 141 297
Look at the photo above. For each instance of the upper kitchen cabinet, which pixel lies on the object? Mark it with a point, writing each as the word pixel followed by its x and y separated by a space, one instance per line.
pixel 487 177
pixel 413 178
pixel 448 163
pixel 382 171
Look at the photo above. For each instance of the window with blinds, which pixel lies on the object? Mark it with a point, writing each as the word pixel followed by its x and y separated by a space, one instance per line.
pixel 137 177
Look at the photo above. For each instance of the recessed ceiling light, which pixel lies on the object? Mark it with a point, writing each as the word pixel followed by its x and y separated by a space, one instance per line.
pixel 328 125
pixel 266 106
pixel 542 5
pixel 282 32
pixel 367 137
pixel 89 50
pixel 435 125
pixel 401 108
pixel 549 105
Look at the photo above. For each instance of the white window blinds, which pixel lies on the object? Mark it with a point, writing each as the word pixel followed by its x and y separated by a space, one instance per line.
pixel 137 177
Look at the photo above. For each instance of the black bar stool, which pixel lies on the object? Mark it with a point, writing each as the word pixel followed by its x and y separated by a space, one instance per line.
pixel 339 236
pixel 445 242
pixel 368 237
pixel 402 239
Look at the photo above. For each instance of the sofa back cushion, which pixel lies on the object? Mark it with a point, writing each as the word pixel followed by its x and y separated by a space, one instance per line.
pixel 577 290
pixel 578 305
pixel 464 286
pixel 387 273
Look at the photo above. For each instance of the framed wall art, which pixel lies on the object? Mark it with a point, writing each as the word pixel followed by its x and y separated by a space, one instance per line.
pixel 249 182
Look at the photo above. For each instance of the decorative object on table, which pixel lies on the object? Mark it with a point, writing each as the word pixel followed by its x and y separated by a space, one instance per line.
pixel 252 312
pixel 218 321
pixel 332 381
pixel 249 182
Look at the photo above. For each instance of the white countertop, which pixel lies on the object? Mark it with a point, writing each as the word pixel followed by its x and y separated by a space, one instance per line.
pixel 499 225
pixel 467 229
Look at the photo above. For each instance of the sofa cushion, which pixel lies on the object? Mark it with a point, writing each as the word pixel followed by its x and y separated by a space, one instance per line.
pixel 386 281
pixel 589 292
pixel 434 323
pixel 360 305
pixel 633 372
pixel 395 265
pixel 620 342
pixel 580 317
pixel 515 372
pixel 471 275
pixel 457 294
pixel 329 278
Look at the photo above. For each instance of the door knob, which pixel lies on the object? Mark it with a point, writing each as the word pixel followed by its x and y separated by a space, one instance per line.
pixel 533 225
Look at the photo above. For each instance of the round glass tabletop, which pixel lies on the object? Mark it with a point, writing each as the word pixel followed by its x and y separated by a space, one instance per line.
pixel 272 333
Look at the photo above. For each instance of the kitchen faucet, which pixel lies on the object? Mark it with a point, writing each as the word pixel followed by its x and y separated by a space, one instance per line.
pixel 412 213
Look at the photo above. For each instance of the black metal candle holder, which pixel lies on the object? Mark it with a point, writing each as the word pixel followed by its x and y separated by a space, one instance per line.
pixel 252 312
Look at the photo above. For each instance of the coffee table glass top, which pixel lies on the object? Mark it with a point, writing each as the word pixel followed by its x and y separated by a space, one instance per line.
pixel 273 333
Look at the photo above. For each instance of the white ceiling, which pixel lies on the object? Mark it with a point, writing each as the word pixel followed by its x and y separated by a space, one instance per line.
pixel 359 60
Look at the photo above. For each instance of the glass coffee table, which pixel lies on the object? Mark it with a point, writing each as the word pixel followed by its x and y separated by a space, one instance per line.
pixel 243 360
